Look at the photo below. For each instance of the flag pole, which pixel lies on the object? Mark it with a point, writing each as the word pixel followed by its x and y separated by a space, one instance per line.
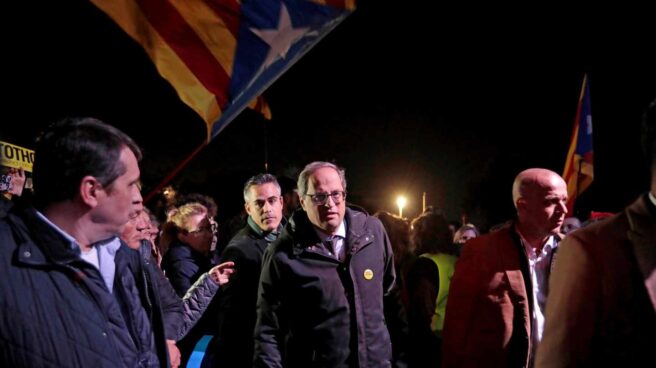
pixel 175 172
pixel 266 148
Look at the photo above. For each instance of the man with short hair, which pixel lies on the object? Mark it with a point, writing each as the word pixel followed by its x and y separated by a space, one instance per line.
pixel 602 302
pixel 496 303
pixel 71 293
pixel 263 203
pixel 320 301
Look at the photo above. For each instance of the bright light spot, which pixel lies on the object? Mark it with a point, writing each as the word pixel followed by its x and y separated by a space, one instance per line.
pixel 401 201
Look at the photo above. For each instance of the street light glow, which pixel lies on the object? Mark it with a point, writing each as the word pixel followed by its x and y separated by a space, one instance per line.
pixel 401 201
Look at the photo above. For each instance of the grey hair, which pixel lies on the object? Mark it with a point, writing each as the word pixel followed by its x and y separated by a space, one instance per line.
pixel 310 168
pixel 260 179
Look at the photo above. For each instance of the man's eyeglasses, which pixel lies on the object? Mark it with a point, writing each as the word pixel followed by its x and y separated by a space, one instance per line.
pixel 321 198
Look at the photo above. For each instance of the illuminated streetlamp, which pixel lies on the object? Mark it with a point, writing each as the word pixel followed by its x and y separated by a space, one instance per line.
pixel 401 201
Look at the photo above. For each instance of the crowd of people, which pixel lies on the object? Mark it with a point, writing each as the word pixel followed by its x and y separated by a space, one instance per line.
pixel 90 277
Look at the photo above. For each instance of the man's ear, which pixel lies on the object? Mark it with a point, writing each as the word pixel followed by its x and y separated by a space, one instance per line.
pixel 301 200
pixel 90 189
pixel 521 203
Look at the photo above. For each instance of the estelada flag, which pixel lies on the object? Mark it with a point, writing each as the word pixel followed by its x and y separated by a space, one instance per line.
pixel 219 55
pixel 579 166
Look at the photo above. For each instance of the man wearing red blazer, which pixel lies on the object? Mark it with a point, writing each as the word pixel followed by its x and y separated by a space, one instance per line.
pixel 602 306
pixel 495 307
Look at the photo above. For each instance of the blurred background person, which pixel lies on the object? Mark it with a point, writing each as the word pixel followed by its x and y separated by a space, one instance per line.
pixel 397 301
pixel 602 303
pixel 428 287
pixel 188 234
pixel 570 224
pixel 289 195
pixel 465 233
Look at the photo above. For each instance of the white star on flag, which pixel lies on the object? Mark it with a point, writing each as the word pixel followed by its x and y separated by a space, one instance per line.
pixel 281 39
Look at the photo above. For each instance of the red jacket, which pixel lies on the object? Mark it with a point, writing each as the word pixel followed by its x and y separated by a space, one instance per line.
pixel 488 320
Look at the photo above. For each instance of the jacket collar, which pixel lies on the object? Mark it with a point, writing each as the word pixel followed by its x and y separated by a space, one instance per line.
pixel 268 236
pixel 642 234
pixel 302 231
pixel 46 245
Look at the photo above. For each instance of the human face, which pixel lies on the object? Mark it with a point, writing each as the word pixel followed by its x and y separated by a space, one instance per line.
pixel 264 206
pixel 466 236
pixel 120 200
pixel 329 215
pixel 570 224
pixel 135 230
pixel 544 205
pixel 200 235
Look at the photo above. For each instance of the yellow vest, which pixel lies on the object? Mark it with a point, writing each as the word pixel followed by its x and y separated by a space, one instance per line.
pixel 445 266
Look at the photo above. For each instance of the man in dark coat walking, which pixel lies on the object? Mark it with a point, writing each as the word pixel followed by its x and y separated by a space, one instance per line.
pixel 71 293
pixel 320 301
pixel 263 203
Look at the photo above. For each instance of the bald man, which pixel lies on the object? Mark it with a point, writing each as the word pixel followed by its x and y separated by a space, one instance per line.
pixel 495 308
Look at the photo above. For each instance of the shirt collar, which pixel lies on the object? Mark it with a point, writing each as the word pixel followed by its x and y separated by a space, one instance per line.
pixel 652 198
pixel 269 236
pixel 112 243
pixel 71 240
pixel 548 246
pixel 341 233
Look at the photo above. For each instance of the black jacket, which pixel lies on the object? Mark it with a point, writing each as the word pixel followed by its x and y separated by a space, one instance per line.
pixel 315 311
pixel 234 347
pixel 55 309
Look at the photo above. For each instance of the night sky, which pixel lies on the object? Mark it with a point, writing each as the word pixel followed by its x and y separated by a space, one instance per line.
pixel 449 101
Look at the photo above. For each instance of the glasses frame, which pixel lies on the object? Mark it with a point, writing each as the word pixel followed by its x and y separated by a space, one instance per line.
pixel 340 193
pixel 211 227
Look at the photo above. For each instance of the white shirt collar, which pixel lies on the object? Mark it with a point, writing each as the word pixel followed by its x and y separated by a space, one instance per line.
pixel 652 198
pixel 341 232
pixel 59 230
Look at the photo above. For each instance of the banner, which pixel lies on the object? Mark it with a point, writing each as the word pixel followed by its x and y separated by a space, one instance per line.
pixel 16 157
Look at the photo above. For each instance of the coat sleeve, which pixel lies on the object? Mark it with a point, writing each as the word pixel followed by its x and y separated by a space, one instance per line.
pixel 574 293
pixel 170 302
pixel 464 291
pixel 196 301
pixel 270 324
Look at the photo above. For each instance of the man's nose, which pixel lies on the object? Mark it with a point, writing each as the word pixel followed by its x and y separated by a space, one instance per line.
pixel 563 207
pixel 328 201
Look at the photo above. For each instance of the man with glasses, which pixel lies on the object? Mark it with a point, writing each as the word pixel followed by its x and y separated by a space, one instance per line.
pixel 320 301
pixel 263 202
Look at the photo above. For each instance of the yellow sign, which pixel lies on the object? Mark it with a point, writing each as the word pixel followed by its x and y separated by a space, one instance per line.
pixel 368 274
pixel 16 156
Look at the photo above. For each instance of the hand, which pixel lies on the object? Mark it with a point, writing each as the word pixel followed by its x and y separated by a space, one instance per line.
pixel 221 273
pixel 174 353
pixel 18 182
pixel 13 182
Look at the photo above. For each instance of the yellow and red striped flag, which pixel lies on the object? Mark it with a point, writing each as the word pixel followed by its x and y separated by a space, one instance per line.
pixel 578 173
pixel 219 55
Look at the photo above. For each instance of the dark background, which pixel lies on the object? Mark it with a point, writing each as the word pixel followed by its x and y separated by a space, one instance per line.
pixel 451 101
